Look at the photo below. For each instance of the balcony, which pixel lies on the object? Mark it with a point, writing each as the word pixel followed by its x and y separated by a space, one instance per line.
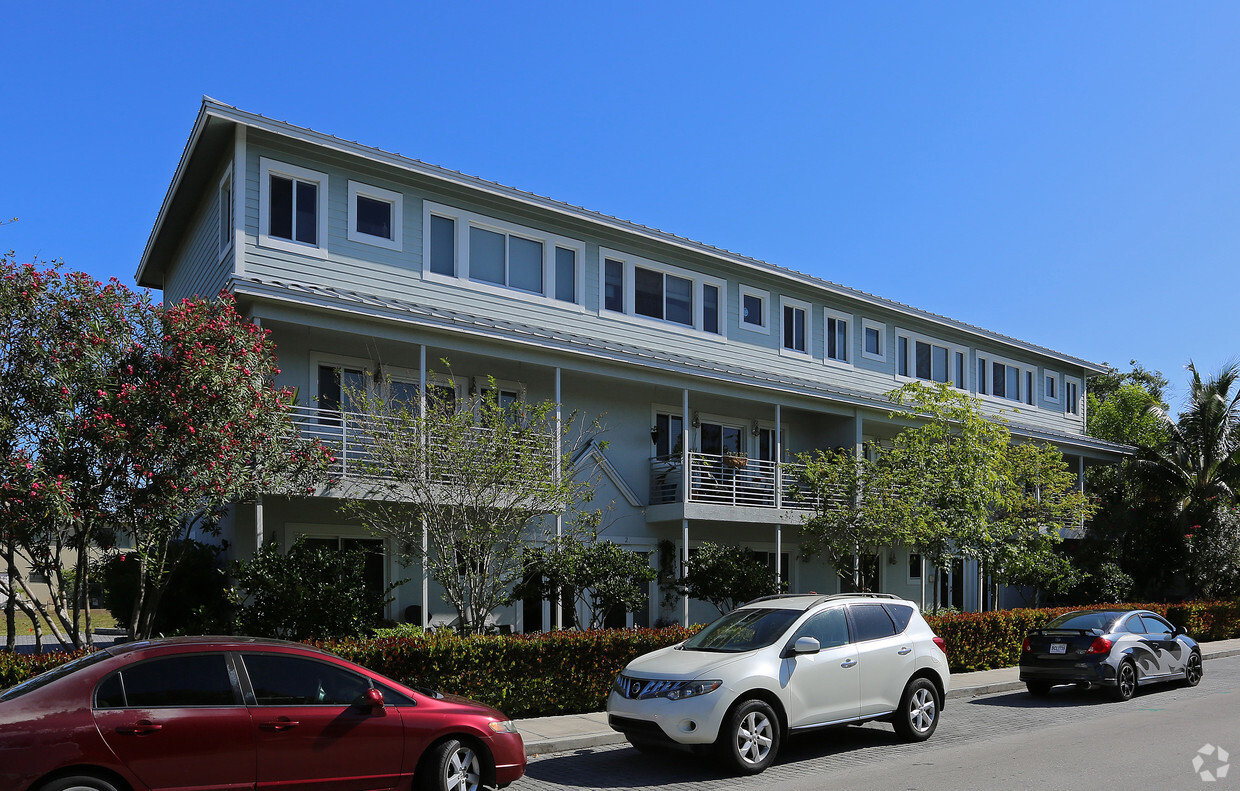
pixel 738 482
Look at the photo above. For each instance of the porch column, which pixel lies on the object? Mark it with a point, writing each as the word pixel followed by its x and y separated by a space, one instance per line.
pixel 779 549
pixel 559 515
pixel 1080 480
pixel 684 446
pixel 779 465
pixel 684 566
pixel 426 579
pixel 859 451
pixel 258 522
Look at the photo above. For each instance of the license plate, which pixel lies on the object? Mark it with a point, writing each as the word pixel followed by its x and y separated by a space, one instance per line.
pixel 1059 648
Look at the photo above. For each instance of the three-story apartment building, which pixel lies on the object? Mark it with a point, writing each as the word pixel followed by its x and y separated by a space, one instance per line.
pixel 364 263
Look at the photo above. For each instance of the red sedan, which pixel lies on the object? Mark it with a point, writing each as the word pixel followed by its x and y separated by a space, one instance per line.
pixel 241 713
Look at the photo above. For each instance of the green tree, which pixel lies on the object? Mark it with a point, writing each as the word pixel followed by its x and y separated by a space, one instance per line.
pixel 476 480
pixel 727 576
pixel 307 593
pixel 1197 470
pixel 603 577
pixel 953 484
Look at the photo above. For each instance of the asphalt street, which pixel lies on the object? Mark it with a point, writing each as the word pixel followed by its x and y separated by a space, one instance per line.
pixel 1072 739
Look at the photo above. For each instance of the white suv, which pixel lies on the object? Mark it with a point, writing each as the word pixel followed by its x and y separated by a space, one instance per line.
pixel 784 664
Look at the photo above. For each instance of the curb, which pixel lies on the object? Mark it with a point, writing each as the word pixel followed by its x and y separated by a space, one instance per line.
pixel 604 739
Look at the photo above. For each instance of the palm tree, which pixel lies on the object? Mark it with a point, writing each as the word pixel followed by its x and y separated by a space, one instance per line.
pixel 1198 467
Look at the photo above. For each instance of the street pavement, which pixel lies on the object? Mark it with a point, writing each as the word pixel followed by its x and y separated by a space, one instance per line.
pixel 544 735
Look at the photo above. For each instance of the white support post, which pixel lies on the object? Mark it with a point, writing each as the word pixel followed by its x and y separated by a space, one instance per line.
pixel 426 577
pixel 779 459
pixel 859 450
pixel 684 567
pixel 779 550
pixel 258 523
pixel 559 515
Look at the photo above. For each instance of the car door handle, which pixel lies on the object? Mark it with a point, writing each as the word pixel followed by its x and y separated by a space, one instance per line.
pixel 282 724
pixel 905 650
pixel 139 728
pixel 848 663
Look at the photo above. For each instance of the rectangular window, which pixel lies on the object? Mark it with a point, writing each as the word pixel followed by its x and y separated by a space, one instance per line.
pixel 794 328
pixel 1050 386
pixel 1009 381
pixel 1029 387
pixel 375 215
pixel 647 293
pixel 679 299
pixel 1071 396
pixel 565 274
pixel 981 376
pixel 710 309
pixel 755 309
pixel 929 360
pixel 505 260
pixel 225 199
pixel 960 370
pixel 902 355
pixel 837 337
pixel 914 567
pixel 337 385
pixel 443 246
pixel 874 340
pixel 668 433
pixel 292 207
pixel 613 289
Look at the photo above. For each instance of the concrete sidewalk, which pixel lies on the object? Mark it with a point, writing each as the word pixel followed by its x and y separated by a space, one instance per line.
pixel 578 731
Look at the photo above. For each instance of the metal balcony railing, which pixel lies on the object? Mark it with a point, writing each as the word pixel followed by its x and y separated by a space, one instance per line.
pixel 731 480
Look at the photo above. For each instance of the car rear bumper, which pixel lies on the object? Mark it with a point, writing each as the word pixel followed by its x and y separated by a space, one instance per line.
pixel 1067 671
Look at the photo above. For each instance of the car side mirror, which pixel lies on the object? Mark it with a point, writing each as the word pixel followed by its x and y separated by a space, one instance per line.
pixel 1179 630
pixel 806 645
pixel 372 699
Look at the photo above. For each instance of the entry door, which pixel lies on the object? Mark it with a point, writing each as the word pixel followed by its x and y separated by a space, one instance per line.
pixel 719 438
pixel 311 735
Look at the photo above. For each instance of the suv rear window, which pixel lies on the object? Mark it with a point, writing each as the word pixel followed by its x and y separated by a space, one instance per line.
pixel 872 622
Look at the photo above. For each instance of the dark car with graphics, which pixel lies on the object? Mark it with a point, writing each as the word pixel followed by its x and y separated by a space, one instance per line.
pixel 1119 650
pixel 229 713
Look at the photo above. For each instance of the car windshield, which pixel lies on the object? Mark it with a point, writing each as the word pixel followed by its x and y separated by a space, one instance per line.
pixel 1101 620
pixel 743 630
pixel 60 671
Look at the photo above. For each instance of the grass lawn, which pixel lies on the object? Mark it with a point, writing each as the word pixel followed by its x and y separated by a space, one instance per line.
pixel 99 619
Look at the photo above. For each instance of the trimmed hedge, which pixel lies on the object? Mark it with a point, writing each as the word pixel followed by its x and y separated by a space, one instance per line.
pixel 571 672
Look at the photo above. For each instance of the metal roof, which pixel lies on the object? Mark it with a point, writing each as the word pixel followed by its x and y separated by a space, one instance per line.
pixel 213 109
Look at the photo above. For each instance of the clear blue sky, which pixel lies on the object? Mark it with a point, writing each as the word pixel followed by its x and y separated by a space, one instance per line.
pixel 1066 173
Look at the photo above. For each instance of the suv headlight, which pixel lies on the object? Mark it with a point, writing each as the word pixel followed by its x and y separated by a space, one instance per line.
pixel 645 689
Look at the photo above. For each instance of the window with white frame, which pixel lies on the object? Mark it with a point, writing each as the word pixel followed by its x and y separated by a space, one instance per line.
pixel 1050 386
pixel 490 253
pixel 1071 396
pixel 837 340
pixel 638 287
pixel 1005 379
pixel 224 196
pixel 874 340
pixel 795 325
pixel 921 357
pixel 292 208
pixel 755 309
pixel 375 215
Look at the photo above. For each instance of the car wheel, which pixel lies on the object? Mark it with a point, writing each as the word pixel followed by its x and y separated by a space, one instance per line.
pixel 749 738
pixel 1193 670
pixel 918 714
pixel 82 783
pixel 452 765
pixel 1125 681
pixel 1039 689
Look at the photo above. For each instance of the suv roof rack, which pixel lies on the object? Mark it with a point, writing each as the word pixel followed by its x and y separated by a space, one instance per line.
pixel 821 599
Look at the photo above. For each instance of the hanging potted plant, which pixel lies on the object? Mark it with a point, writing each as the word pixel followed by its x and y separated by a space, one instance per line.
pixel 734 459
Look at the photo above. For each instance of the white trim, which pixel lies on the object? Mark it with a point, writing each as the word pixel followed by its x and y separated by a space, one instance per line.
pixel 395 200
pixel 239 156
pixel 266 167
pixel 631 263
pixel 464 220
pixel 1054 378
pixel 849 337
pixel 870 324
pixel 789 302
pixel 908 568
pixel 225 227
pixel 1023 371
pixel 592 451
pixel 911 360
pixel 1073 408
pixel 480 383
pixel 765 297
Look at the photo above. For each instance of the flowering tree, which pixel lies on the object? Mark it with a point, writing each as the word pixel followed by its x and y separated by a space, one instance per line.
pixel 144 419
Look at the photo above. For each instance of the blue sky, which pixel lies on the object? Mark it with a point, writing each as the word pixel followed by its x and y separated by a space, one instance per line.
pixel 1065 173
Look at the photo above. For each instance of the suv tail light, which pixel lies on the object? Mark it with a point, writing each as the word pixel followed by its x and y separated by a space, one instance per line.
pixel 1100 645
pixel 942 644
pixel 1025 647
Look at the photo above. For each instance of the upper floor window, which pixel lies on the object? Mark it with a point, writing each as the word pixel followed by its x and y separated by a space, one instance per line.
pixel 795 327
pixel 1071 397
pixel 755 309
pixel 635 286
pixel 1004 379
pixel 837 336
pixel 375 215
pixel 919 357
pixel 874 340
pixel 1050 386
pixel 224 196
pixel 493 253
pixel 292 208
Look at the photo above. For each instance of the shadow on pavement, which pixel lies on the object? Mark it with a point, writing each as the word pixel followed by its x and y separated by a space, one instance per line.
pixel 1062 696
